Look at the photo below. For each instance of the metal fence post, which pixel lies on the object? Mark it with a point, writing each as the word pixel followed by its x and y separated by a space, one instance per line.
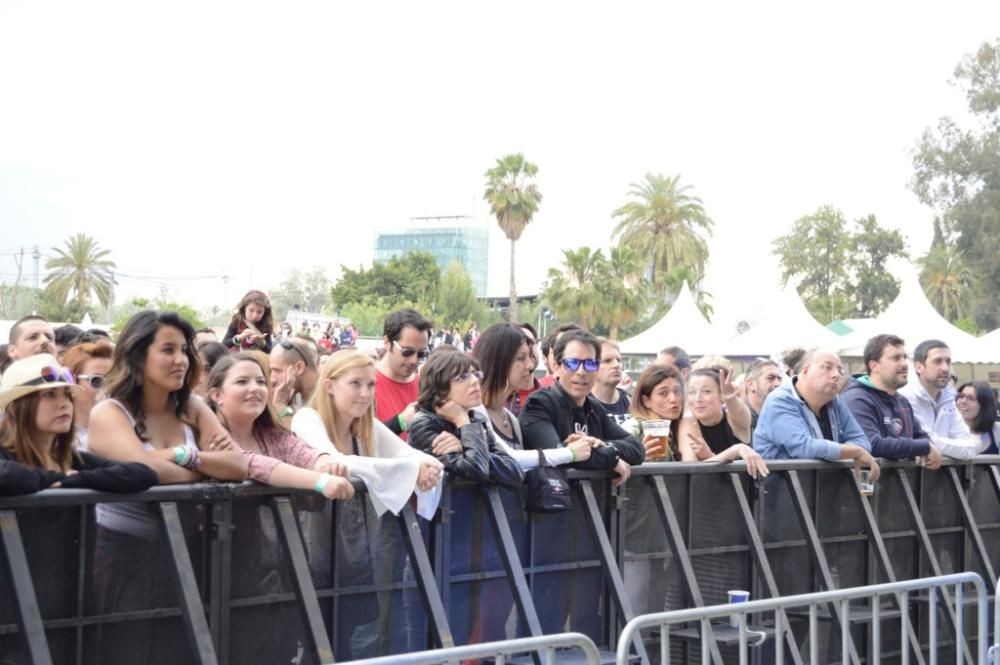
pixel 29 616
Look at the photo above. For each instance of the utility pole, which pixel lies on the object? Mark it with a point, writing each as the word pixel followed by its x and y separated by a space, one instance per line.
pixel 34 295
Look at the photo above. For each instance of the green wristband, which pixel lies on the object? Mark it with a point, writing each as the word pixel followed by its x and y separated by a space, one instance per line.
pixel 402 422
pixel 573 453
pixel 180 455
pixel 321 482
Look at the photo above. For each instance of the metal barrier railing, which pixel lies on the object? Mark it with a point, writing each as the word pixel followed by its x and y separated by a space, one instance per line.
pixel 545 646
pixel 739 613
pixel 994 652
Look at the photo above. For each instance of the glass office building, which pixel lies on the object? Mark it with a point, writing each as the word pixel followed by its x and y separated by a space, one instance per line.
pixel 468 245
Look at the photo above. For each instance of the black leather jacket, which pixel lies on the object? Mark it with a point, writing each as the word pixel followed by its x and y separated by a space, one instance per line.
pixel 481 458
pixel 550 415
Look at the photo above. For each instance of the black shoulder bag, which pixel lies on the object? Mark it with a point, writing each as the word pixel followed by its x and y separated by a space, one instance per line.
pixel 548 489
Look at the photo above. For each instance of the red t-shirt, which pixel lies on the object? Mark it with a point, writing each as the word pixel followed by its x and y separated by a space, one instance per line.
pixel 392 397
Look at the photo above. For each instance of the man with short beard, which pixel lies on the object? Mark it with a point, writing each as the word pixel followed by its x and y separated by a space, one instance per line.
pixel 30 336
pixel 762 378
pixel 614 400
pixel 884 414
pixel 932 398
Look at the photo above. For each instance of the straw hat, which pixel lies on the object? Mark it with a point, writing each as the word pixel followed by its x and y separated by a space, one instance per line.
pixel 34 374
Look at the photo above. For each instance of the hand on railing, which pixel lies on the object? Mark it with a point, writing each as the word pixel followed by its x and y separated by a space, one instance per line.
pixel 624 471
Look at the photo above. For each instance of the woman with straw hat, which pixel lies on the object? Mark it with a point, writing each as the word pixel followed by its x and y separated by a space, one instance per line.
pixel 36 436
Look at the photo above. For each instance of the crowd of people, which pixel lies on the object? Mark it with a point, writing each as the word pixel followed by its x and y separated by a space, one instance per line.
pixel 165 404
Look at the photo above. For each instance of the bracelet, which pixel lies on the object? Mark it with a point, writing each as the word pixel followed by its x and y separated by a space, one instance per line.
pixel 195 461
pixel 324 478
pixel 287 411
pixel 402 422
pixel 181 455
pixel 573 453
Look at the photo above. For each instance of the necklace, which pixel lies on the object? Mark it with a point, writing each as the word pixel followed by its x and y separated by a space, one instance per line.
pixel 496 414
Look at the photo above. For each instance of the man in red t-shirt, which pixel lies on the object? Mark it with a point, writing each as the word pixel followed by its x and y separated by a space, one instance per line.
pixel 406 336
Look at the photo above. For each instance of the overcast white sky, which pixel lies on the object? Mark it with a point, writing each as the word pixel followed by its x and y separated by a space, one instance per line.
pixel 201 139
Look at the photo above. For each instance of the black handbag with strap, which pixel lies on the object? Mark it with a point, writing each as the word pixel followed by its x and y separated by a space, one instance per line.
pixel 548 489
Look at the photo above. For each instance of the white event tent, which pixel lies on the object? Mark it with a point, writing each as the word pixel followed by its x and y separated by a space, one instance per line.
pixel 913 317
pixel 684 326
pixel 785 324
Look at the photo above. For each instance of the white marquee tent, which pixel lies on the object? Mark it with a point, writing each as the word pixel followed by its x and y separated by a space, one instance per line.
pixel 683 326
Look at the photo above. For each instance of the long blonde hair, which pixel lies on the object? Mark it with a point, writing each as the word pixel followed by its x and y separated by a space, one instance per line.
pixel 363 428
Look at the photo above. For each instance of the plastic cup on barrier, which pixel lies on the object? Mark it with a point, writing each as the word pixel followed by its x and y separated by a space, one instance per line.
pixel 737 596
pixel 660 429
pixel 866 482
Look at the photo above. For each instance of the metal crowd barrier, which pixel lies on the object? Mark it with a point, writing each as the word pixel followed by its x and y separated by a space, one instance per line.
pixel 497 651
pixel 739 613
pixel 239 566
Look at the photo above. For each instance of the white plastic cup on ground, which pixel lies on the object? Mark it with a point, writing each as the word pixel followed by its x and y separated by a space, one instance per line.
pixel 737 596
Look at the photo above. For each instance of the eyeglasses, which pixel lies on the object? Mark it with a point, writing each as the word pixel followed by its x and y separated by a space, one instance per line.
pixel 96 381
pixel 573 364
pixel 407 352
pixel 465 376
pixel 965 398
pixel 288 346
pixel 51 375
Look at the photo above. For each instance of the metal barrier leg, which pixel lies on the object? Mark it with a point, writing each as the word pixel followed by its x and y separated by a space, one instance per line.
pixel 882 556
pixel 970 523
pixel 764 566
pixel 612 572
pixel 426 582
pixel 220 562
pixel 676 539
pixel 932 561
pixel 819 557
pixel 192 609
pixel 29 616
pixel 305 592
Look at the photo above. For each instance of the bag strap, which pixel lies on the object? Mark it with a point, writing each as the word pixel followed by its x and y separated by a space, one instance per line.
pixel 541 458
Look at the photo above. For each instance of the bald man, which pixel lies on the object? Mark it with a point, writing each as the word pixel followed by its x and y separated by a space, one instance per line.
pixel 807 419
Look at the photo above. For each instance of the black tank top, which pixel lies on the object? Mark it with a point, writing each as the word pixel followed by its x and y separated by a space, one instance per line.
pixel 719 436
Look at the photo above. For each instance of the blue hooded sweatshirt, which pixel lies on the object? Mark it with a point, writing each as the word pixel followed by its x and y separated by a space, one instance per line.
pixel 887 420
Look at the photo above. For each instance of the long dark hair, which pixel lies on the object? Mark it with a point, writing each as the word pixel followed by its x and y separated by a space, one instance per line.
pixel 259 298
pixel 18 434
pixel 987 406
pixel 444 364
pixel 266 422
pixel 495 353
pixel 125 380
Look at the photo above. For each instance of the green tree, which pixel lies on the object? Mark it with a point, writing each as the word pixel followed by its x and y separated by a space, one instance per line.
pixel 574 292
pixel 873 287
pixel 368 318
pixel 816 252
pixel 957 172
pixel 625 290
pixel 513 200
pixel 665 223
pixel 79 270
pixel 125 312
pixel 305 290
pixel 947 281
pixel 456 298
pixel 413 277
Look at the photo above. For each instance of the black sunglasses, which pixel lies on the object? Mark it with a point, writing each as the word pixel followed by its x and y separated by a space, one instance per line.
pixel 407 352
pixel 288 346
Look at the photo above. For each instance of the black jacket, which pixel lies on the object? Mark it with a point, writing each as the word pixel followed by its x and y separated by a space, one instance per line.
pixel 92 472
pixel 481 458
pixel 887 421
pixel 550 415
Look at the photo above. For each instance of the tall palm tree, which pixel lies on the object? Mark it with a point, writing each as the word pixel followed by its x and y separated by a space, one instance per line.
pixel 666 224
pixel 80 269
pixel 574 292
pixel 947 281
pixel 513 201
pixel 626 291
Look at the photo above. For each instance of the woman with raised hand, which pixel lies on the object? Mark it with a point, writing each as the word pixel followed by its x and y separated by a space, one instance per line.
pixel 238 393
pixel 713 433
pixel 37 436
pixel 449 395
pixel 977 405
pixel 89 362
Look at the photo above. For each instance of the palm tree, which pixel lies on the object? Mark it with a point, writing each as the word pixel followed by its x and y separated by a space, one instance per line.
pixel 80 269
pixel 626 291
pixel 666 224
pixel 513 201
pixel 574 292
pixel 947 281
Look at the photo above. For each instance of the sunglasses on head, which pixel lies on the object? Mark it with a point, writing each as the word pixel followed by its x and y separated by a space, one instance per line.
pixel 288 346
pixel 573 364
pixel 96 381
pixel 51 375
pixel 407 352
